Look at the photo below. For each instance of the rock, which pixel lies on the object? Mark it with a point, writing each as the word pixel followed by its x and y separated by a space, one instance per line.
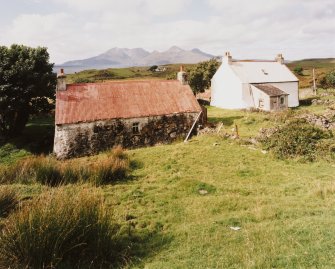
pixel 203 192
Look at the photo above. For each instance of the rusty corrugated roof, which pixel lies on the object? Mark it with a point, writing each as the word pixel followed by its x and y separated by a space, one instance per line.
pixel 123 99
pixel 269 89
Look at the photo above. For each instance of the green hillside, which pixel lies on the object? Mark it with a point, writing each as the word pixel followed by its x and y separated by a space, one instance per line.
pixel 322 67
pixel 124 73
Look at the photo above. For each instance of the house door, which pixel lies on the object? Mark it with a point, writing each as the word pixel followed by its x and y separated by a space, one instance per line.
pixel 273 103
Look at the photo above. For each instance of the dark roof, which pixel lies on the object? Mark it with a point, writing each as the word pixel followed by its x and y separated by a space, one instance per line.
pixel 89 102
pixel 269 89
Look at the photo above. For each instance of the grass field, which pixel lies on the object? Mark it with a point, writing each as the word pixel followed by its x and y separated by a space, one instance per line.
pixel 132 73
pixel 181 201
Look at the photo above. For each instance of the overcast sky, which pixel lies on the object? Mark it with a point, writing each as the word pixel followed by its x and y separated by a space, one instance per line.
pixel 77 29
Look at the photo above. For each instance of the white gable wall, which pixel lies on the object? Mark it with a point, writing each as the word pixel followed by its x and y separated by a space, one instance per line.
pixel 226 89
pixel 259 95
pixel 292 89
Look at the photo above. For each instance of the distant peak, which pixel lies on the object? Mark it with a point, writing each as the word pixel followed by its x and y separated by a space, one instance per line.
pixel 175 48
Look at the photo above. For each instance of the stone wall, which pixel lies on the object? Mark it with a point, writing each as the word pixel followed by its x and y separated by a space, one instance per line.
pixel 80 139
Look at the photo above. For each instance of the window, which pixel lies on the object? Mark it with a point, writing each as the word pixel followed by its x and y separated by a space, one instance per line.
pixel 282 100
pixel 260 103
pixel 136 128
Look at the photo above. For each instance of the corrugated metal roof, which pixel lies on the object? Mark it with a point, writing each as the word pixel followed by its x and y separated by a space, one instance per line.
pixel 262 71
pixel 123 99
pixel 269 89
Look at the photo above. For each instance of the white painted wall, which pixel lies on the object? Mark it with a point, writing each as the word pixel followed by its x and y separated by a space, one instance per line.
pixel 226 89
pixel 292 88
pixel 252 95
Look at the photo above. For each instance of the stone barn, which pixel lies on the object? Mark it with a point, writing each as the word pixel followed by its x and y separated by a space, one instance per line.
pixel 92 117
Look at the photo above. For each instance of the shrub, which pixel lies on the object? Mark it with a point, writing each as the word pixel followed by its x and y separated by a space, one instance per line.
pixel 65 227
pixel 8 201
pixel 296 138
pixel 328 81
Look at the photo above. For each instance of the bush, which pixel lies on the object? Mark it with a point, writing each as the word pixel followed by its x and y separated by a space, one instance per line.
pixel 328 81
pixel 62 228
pixel 8 201
pixel 296 138
pixel 299 70
pixel 51 172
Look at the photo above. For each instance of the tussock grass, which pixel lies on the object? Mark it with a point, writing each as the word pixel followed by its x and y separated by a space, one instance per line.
pixel 8 200
pixel 67 227
pixel 49 171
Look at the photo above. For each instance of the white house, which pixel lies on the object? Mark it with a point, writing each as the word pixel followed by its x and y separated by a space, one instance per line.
pixel 267 85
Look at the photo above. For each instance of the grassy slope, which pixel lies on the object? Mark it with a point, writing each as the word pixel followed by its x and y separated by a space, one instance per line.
pixel 322 66
pixel 124 73
pixel 285 208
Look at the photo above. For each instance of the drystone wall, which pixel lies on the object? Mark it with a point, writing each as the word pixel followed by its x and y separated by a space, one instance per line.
pixel 80 139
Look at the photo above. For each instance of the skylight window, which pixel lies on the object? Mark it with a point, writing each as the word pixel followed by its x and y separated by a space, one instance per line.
pixel 264 72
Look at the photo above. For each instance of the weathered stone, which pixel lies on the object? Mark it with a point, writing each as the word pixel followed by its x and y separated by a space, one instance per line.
pixel 80 139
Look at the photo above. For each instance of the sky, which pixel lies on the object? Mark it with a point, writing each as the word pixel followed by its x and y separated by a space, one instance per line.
pixel 249 29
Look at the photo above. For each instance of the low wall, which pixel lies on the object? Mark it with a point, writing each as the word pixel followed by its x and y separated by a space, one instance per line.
pixel 80 139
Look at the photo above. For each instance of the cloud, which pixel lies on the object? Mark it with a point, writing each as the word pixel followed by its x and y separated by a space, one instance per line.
pixel 149 7
pixel 260 28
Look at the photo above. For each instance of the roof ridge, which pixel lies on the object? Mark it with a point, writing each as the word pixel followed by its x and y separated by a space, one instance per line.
pixel 122 81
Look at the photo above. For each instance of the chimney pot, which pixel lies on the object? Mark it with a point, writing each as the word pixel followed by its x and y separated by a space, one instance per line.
pixel 182 76
pixel 227 59
pixel 280 58
pixel 61 81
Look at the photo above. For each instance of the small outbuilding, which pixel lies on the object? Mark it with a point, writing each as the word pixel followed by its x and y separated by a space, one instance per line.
pixel 92 117
pixel 265 85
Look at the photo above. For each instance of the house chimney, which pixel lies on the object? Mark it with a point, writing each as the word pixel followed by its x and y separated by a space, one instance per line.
pixel 280 58
pixel 182 76
pixel 227 59
pixel 61 81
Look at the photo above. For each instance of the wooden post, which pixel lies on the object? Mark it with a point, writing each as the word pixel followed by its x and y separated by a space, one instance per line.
pixel 189 133
pixel 236 131
pixel 314 84
pixel 220 126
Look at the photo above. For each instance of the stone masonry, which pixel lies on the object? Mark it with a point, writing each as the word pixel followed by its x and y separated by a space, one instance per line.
pixel 88 138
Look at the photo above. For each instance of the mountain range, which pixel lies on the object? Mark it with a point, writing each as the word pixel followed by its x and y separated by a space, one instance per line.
pixel 123 57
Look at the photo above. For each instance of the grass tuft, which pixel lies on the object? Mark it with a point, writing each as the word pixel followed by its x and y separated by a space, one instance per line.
pixel 8 201
pixel 48 171
pixel 66 227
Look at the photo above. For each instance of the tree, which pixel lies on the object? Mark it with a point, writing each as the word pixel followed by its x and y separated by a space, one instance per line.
pixel 153 68
pixel 299 70
pixel 199 77
pixel 27 86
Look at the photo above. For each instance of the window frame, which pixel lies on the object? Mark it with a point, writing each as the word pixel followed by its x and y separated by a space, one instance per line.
pixel 135 127
pixel 282 100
